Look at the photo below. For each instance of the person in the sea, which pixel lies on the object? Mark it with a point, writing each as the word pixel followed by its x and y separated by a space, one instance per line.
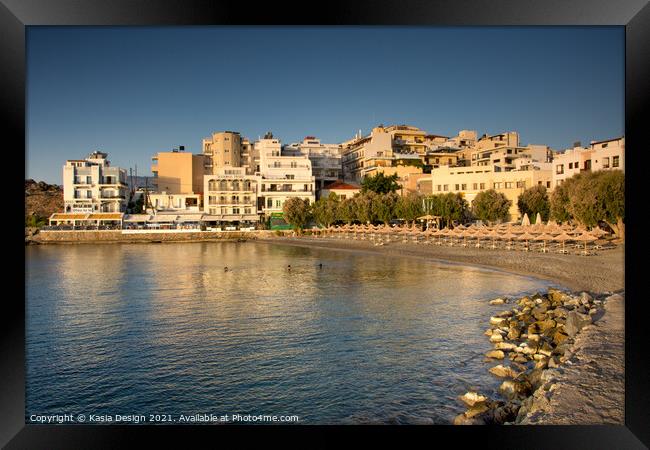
pixel 225 269
pixel 320 266
pixel 289 267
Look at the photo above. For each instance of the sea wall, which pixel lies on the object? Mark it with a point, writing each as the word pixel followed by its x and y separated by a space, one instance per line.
pixel 99 236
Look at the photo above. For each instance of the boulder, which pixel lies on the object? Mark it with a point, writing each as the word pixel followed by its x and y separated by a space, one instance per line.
pixel 585 298
pixel 488 332
pixel 506 413
pixel 496 337
pixel 496 354
pixel 498 321
pixel 497 301
pixel 559 337
pixel 477 409
pixel 575 322
pixel 461 419
pixel 513 334
pixel 503 371
pixel 472 398
pixel 544 325
pixel 505 346
pixel 504 314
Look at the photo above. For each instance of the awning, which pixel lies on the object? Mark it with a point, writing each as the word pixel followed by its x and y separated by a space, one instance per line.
pixel 105 216
pixel 166 218
pixel 131 218
pixel 189 218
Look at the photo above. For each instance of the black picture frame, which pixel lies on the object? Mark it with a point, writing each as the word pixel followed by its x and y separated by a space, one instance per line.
pixel 634 15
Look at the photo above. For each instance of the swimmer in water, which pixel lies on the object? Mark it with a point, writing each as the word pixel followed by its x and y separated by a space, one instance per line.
pixel 225 269
pixel 289 267
pixel 320 266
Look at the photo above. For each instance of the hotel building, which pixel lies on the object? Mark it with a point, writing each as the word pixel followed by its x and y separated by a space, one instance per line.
pixel 177 181
pixel 325 160
pixel 600 155
pixel 469 181
pixel 92 185
pixel 231 196
pixel 282 177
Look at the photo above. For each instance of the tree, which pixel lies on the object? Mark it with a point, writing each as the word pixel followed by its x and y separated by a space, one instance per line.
pixel 453 207
pixel 379 183
pixel 347 210
pixel 363 203
pixel 409 207
pixel 326 210
pixel 491 206
pixel 297 212
pixel 559 203
pixel 384 207
pixel 534 200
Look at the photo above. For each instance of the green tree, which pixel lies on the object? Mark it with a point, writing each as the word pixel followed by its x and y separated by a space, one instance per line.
pixel 534 200
pixel 347 210
pixel 380 184
pixel 326 210
pixel 409 207
pixel 297 212
pixel 453 207
pixel 384 207
pixel 559 203
pixel 491 206
pixel 363 203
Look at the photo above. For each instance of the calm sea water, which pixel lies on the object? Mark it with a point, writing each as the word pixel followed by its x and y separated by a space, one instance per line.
pixel 162 329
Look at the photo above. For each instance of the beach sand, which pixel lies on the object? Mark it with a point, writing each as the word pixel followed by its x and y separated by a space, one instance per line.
pixel 590 386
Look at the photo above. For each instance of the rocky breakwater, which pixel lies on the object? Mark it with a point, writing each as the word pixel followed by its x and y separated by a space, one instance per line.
pixel 532 342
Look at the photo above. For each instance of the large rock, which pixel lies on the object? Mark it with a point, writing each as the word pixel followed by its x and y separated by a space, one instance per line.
pixel 505 346
pixel 496 337
pixel 498 321
pixel 496 354
pixel 576 322
pixel 497 301
pixel 503 371
pixel 472 398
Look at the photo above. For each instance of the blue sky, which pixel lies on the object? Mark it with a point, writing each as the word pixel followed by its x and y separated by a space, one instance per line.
pixel 134 91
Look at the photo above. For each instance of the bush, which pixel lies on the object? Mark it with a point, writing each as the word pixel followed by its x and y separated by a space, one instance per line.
pixel 534 200
pixel 491 206
pixel 297 212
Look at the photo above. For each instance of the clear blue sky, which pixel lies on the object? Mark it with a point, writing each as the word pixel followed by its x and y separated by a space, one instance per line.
pixel 135 91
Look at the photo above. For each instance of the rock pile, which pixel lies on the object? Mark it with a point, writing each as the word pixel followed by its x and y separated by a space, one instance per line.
pixel 532 340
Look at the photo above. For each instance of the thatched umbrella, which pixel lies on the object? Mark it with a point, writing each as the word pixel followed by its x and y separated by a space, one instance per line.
pixel 544 237
pixel 525 222
pixel 538 219
pixel 517 230
pixel 509 237
pixel 585 237
pixel 598 232
pixel 563 238
pixel 494 234
pixel 526 237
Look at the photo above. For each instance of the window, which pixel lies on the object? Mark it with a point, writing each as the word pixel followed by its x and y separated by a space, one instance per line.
pixel 278 203
pixel 276 164
pixel 247 210
pixel 606 162
pixel 269 203
pixel 521 184
pixel 482 186
pixel 457 187
pixel 294 164
pixel 497 185
pixel 235 210
pixel 559 169
pixel 439 187
pixel 548 184
pixel 463 187
pixel 475 186
pixel 89 180
pixel 445 187
pixel 306 188
pixel 291 177
pixel 604 145
pixel 509 185
pixel 615 161
pixel 570 165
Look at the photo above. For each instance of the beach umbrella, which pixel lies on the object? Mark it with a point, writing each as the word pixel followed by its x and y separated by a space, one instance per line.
pixel 598 232
pixel 461 227
pixel 508 236
pixel 525 221
pixel 526 237
pixel 517 230
pixel 585 237
pixel 544 237
pixel 538 219
pixel 563 238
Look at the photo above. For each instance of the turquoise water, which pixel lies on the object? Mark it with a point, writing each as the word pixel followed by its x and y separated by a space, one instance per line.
pixel 162 329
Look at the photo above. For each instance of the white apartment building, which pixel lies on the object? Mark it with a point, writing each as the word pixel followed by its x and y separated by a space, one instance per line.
pixel 325 160
pixel 231 195
pixel 282 177
pixel 92 185
pixel 600 155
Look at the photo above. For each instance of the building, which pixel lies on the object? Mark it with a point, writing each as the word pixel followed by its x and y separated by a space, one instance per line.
pixel 470 181
pixel 407 176
pixel 325 160
pixel 92 185
pixel 231 197
pixel 222 149
pixel 341 189
pixel 600 155
pixel 177 181
pixel 282 177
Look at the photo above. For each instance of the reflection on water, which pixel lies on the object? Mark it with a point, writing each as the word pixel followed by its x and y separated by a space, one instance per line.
pixel 163 329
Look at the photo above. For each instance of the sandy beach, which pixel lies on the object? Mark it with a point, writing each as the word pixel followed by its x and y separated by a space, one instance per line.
pixel 589 387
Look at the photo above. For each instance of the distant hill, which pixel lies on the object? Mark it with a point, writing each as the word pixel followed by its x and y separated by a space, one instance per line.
pixel 42 200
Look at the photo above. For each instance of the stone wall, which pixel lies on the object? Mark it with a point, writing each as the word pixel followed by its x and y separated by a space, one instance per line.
pixel 61 237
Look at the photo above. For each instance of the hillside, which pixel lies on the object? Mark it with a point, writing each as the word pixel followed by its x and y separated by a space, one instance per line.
pixel 41 200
